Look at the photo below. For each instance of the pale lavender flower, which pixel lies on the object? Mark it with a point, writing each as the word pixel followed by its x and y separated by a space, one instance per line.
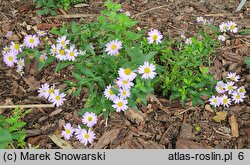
pixel 68 131
pixel 90 119
pixel 31 41
pixel 223 27
pixel 154 36
pixel 215 101
pixel 147 70
pixel 85 136
pixel 62 41
pixel 57 98
pixel 10 58
pixel 113 47
pixel 237 97
pixel 44 90
pixel 232 27
pixel 120 104
pixel 221 38
pixel 225 101
pixel 8 34
pixel 188 41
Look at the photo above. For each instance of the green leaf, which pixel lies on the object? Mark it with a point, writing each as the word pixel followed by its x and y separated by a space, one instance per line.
pixel 5 136
pixel 62 65
pixel 86 71
pixel 74 27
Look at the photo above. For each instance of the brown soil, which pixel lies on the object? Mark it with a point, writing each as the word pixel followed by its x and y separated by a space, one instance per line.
pixel 160 124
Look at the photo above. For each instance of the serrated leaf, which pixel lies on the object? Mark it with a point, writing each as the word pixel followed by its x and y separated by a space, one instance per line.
pixel 220 116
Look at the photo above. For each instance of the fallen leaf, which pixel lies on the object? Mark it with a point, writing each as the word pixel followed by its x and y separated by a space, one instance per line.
pixel 135 116
pixel 106 138
pixel 221 115
pixel 62 11
pixel 153 98
pixel 31 82
pixel 234 126
pixel 208 108
pixel 60 142
pixel 46 26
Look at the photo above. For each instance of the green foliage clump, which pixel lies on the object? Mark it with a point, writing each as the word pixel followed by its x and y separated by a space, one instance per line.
pixel 12 130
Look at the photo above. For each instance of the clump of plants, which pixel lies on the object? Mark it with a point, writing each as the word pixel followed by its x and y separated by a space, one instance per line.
pixel 49 7
pixel 12 132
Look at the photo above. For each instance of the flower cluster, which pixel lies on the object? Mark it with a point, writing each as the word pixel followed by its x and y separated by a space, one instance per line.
pixel 10 53
pixel 228 26
pixel 83 135
pixel 63 50
pixel 204 21
pixel 125 82
pixel 53 95
pixel 228 92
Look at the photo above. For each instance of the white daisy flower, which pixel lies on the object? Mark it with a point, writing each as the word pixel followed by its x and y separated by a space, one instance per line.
pixel 120 104
pixel 10 58
pixel 124 93
pixel 90 119
pixel 223 27
pixel 68 131
pixel 225 101
pixel 147 70
pixel 113 47
pixel 54 49
pixel 154 36
pixel 5 50
pixel 199 19
pixel 17 48
pixel 127 13
pixel 188 41
pixel 20 63
pixel 232 27
pixel 221 38
pixel 229 87
pixel 43 57
pixel 44 90
pixel 71 53
pixel 183 37
pixel 127 74
pixel 215 101
pixel 31 41
pixel 233 77
pixel 124 83
pixel 20 71
pixel 237 97
pixel 85 136
pixel 57 98
pixel 61 55
pixel 241 90
pixel 62 41
pixel 220 87
pixel 41 33
pixel 109 93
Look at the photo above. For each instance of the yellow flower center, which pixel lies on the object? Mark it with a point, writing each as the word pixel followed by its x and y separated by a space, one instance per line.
pixel 242 90
pixel 220 88
pixel 125 82
pixel 31 40
pixel 62 43
pixel 10 58
pixel 232 27
pixel 67 131
pixel 120 104
pixel 127 71
pixel 225 101
pixel 16 46
pixel 111 92
pixel 230 88
pixel 54 50
pixel 41 59
pixel 147 70
pixel 232 78
pixel 155 37
pixel 90 118
pixel 215 101
pixel 71 53
pixel 237 96
pixel 43 90
pixel 124 93
pixel 62 52
pixel 58 98
pixel 113 47
pixel 86 136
